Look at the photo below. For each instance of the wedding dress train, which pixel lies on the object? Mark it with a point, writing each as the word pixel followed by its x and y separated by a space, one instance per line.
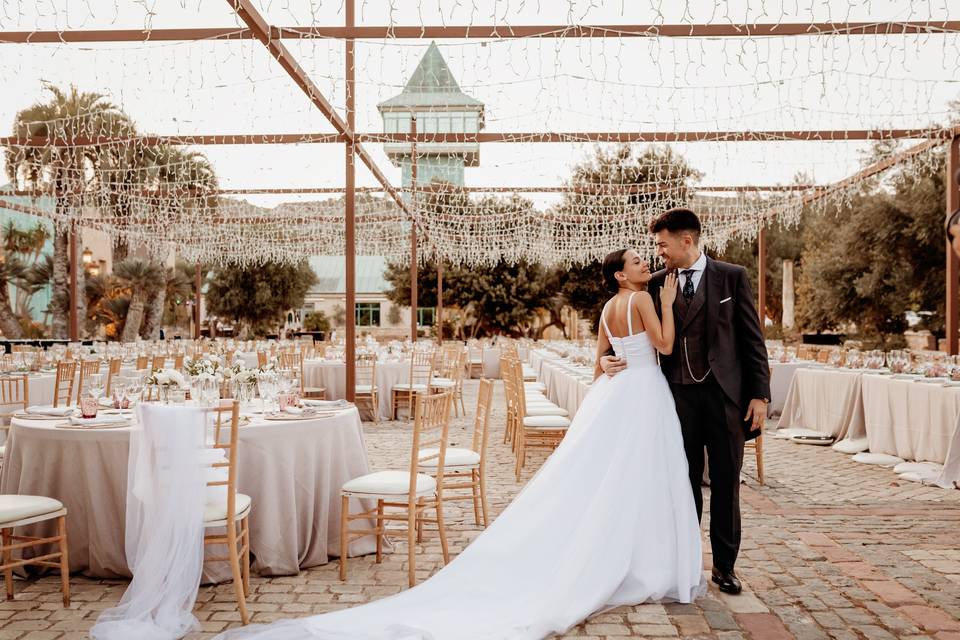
pixel 608 520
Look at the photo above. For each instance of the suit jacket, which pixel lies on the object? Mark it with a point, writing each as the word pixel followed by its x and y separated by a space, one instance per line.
pixel 735 348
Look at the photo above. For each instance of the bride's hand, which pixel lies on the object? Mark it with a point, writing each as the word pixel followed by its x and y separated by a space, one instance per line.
pixel 668 292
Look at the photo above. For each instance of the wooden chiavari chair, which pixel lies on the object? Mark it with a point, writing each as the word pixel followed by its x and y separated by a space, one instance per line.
pixel 757 445
pixel 26 510
pixel 475 360
pixel 233 513
pixel 533 428
pixel 113 370
pixel 178 361
pixel 87 369
pixel 421 372
pixel 451 377
pixel 142 363
pixel 14 396
pixel 410 492
pixel 63 383
pixel 158 362
pixel 366 384
pixel 261 359
pixel 466 468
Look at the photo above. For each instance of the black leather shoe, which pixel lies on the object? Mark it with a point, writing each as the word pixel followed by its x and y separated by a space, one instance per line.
pixel 727 581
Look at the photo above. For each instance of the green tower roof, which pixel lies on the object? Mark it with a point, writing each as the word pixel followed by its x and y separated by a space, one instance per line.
pixel 431 85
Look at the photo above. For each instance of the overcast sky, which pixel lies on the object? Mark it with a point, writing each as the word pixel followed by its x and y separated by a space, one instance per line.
pixel 540 85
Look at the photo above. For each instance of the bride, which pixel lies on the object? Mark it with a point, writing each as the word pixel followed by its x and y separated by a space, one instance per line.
pixel 608 520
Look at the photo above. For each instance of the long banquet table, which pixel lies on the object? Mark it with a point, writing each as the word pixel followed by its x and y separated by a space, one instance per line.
pixel 566 383
pixel 825 400
pixel 291 469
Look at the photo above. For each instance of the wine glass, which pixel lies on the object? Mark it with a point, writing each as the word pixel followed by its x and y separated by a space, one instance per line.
pixel 95 387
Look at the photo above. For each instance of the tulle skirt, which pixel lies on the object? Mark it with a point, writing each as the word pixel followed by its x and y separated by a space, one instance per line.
pixel 608 520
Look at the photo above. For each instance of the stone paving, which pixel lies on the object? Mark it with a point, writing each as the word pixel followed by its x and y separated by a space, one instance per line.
pixel 831 549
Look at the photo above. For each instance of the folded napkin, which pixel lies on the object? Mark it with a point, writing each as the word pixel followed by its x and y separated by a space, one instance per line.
pixel 327 404
pixel 86 422
pixel 47 410
pixel 105 402
pixel 296 411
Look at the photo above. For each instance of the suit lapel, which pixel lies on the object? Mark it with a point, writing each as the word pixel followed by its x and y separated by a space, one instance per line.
pixel 714 294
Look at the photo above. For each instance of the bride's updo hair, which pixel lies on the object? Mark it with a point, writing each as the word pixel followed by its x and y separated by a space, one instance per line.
pixel 612 263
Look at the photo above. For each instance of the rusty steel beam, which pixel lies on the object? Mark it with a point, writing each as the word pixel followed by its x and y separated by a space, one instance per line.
pixel 812 135
pixel 428 32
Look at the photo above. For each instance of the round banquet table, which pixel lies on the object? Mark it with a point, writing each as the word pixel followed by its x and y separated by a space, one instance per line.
pixel 291 469
pixel 332 376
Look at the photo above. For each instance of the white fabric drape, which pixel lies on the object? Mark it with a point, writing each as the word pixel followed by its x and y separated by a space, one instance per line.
pixel 164 527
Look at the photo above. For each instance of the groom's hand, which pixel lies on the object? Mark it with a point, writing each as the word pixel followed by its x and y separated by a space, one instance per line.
pixel 612 365
pixel 757 413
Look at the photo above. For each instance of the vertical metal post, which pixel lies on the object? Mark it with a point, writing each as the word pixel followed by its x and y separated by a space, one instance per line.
pixel 74 276
pixel 439 319
pixel 762 274
pixel 953 262
pixel 413 229
pixel 197 283
pixel 350 279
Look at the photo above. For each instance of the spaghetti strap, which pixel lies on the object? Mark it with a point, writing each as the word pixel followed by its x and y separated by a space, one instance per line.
pixel 603 321
pixel 630 314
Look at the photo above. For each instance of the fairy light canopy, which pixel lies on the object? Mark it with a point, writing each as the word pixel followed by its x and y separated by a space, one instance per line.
pixel 730 106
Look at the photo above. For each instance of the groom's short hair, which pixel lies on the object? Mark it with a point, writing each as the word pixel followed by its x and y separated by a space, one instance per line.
pixel 676 220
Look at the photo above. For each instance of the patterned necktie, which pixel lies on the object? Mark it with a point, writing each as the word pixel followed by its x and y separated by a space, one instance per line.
pixel 688 284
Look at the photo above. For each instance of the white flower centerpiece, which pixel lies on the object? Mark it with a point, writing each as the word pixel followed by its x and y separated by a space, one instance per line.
pixel 166 379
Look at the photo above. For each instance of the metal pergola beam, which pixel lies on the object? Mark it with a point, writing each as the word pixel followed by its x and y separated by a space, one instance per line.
pixel 487 32
pixel 262 31
pixel 812 135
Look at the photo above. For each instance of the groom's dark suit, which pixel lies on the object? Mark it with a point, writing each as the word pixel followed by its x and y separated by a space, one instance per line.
pixel 718 364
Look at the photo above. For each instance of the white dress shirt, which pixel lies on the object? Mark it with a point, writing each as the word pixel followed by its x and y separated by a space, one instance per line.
pixel 697 268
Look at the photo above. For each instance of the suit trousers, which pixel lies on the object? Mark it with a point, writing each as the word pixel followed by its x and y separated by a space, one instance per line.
pixel 708 418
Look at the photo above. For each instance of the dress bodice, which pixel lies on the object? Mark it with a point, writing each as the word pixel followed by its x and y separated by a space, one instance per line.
pixel 636 348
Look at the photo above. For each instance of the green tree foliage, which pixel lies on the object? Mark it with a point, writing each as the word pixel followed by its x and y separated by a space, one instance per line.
pixel 870 263
pixel 498 299
pixel 316 321
pixel 62 171
pixel 256 297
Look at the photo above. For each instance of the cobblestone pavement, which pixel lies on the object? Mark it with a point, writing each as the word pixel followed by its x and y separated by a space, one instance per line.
pixel 831 549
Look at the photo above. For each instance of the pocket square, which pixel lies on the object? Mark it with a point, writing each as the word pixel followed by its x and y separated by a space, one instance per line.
pixel 726 300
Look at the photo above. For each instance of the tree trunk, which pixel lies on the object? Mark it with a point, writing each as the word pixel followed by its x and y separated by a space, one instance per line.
pixel 60 285
pixel 9 324
pixel 131 326
pixel 121 251
pixel 154 319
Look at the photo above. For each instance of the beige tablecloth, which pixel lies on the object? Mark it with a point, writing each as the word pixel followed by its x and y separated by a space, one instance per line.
pixel 292 470
pixel 566 386
pixel 332 376
pixel 825 400
pixel 910 419
pixel 781 375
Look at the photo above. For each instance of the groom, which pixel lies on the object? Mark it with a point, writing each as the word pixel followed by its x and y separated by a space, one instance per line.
pixel 717 372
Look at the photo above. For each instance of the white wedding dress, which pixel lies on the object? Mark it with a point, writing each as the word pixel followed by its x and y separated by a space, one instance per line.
pixel 608 520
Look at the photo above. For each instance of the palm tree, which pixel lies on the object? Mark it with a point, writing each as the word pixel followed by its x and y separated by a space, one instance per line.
pixel 64 172
pixel 184 179
pixel 10 269
pixel 141 277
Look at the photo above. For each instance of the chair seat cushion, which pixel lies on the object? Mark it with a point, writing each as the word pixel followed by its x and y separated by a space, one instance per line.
pixel 313 389
pixel 546 422
pixel 546 411
pixel 389 483
pixel 216 511
pixel 405 386
pixel 537 386
pixel 456 457
pixel 364 388
pixel 14 507
pixel 443 383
